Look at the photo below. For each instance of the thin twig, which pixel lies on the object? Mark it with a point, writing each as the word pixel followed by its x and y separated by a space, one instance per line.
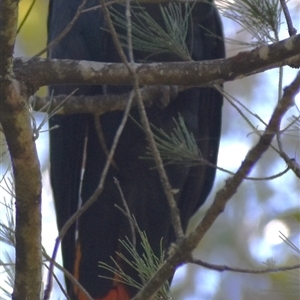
pixel 91 200
pixel 126 212
pixel 72 279
pixel 175 217
pixel 292 30
pixel 101 138
pixel 188 244
pixel 291 163
pixel 129 32
pixel 65 31
pixel 288 242
pixel 114 36
pixel 222 268
pixel 60 285
pixel 26 16
pixel 250 177
pixel 228 98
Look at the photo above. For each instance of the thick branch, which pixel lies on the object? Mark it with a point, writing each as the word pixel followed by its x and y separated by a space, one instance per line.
pixel 99 104
pixel 39 72
pixel 16 124
pixel 8 30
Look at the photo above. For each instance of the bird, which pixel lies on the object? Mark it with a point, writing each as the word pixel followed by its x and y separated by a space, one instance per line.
pixel 77 156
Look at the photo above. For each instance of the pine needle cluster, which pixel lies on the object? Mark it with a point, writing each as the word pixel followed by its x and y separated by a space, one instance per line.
pixel 261 18
pixel 145 265
pixel 149 36
pixel 177 147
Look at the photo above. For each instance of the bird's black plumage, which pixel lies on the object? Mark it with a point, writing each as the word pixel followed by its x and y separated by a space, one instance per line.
pixel 102 225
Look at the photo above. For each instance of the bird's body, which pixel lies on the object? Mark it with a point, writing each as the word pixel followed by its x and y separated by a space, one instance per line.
pixel 75 146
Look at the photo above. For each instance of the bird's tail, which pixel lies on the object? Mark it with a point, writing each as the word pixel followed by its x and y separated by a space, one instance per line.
pixel 119 291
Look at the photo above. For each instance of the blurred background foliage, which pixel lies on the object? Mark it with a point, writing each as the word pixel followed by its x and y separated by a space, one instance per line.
pixel 246 235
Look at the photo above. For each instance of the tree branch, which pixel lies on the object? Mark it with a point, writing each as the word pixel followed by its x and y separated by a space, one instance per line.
pixel 32 71
pixel 175 217
pixel 292 30
pixel 16 124
pixel 90 201
pixel 66 30
pixel 100 104
pixel 222 268
pixel 182 252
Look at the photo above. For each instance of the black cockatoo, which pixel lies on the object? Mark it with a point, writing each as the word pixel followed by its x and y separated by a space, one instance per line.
pixel 77 157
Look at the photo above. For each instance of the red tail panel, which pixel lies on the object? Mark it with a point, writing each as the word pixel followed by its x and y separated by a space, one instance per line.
pixel 118 291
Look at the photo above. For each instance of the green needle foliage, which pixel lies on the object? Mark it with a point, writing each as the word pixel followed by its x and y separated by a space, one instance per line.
pixel 8 265
pixel 146 265
pixel 261 18
pixel 148 36
pixel 292 280
pixel 7 229
pixel 7 236
pixel 3 147
pixel 177 147
pixel 295 123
